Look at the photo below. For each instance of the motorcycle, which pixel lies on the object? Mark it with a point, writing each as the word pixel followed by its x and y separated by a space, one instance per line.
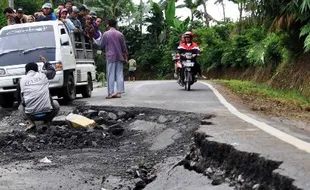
pixel 188 70
pixel 184 69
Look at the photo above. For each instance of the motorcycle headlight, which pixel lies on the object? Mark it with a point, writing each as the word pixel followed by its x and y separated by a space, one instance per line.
pixel 2 72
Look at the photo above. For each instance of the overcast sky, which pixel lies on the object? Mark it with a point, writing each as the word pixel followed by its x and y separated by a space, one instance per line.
pixel 214 10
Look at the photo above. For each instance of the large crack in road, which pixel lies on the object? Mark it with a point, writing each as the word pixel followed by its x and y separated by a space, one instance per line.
pixel 125 151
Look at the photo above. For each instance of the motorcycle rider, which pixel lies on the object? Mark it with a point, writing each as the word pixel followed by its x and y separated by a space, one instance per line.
pixel 190 46
pixel 177 58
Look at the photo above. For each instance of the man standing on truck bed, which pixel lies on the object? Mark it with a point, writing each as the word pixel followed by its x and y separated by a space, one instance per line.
pixel 114 44
pixel 36 104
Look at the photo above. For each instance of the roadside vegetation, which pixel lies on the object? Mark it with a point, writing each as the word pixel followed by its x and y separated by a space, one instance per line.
pixel 264 91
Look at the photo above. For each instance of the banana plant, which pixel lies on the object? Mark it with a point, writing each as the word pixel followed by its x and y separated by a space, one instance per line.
pixel 165 24
pixel 193 7
pixel 112 8
pixel 180 27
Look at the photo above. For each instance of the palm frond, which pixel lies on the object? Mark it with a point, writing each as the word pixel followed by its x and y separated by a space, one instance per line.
pixel 307 43
pixel 305 6
pixel 305 30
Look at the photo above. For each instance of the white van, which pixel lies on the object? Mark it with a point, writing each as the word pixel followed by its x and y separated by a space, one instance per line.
pixel 24 43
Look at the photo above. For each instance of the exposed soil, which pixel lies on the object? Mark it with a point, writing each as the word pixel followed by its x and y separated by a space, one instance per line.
pixel 120 150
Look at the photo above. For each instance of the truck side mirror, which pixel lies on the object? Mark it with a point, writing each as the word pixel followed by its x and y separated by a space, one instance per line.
pixel 64 39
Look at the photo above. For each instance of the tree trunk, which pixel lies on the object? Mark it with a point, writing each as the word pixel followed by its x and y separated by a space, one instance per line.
pixel 192 16
pixel 205 13
pixel 240 7
pixel 11 4
pixel 141 15
pixel 224 14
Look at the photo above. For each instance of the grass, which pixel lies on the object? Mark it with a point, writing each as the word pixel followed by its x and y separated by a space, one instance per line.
pixel 265 91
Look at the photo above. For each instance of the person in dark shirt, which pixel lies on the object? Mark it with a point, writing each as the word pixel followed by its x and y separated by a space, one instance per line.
pixel 82 14
pixel 20 17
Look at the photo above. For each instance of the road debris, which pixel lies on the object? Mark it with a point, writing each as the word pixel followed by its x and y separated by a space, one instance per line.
pixel 76 120
pixel 45 160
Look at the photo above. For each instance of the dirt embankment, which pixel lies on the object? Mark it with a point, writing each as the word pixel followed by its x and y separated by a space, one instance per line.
pixel 289 76
pixel 294 75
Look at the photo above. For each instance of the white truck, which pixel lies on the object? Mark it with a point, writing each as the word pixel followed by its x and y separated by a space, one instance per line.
pixel 72 59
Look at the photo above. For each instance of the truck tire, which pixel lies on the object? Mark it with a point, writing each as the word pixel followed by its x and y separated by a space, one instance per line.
pixel 69 89
pixel 87 90
pixel 6 100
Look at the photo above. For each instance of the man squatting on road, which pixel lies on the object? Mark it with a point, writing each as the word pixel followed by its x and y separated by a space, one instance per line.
pixel 36 103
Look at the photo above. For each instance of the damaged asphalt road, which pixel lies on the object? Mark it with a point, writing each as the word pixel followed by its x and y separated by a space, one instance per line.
pixel 144 143
pixel 125 146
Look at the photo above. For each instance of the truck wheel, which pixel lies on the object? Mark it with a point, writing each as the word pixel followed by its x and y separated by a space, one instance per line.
pixel 69 89
pixel 6 100
pixel 87 90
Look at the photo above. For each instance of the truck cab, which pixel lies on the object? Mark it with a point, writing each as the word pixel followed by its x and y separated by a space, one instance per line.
pixel 69 53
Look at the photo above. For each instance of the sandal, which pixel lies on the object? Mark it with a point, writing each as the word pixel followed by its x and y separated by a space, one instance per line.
pixel 109 97
pixel 31 127
pixel 116 96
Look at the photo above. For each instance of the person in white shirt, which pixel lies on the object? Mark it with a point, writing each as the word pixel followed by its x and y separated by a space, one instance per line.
pixel 132 69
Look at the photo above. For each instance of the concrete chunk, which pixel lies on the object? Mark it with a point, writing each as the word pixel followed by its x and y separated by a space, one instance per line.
pixel 76 120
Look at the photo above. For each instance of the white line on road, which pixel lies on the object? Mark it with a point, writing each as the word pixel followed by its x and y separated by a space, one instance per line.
pixel 302 145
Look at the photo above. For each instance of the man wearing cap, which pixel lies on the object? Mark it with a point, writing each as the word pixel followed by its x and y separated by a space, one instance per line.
pixel 83 12
pixel 48 13
pixel 73 17
pixel 20 17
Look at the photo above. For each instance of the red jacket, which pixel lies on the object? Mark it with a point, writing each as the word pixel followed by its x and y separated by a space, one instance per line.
pixel 183 47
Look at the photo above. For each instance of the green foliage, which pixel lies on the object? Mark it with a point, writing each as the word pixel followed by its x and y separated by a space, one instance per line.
pixel 235 55
pixel 170 12
pixel 156 21
pixel 108 9
pixel 29 6
pixel 273 48
pixel 212 47
pixel 255 35
pixel 305 31
pixel 305 6
pixel 150 57
pixel 255 55
pixel 3 20
pixel 265 91
pixel 133 38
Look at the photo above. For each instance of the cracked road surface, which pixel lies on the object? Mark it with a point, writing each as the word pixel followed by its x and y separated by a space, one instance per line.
pixel 91 169
pixel 227 127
